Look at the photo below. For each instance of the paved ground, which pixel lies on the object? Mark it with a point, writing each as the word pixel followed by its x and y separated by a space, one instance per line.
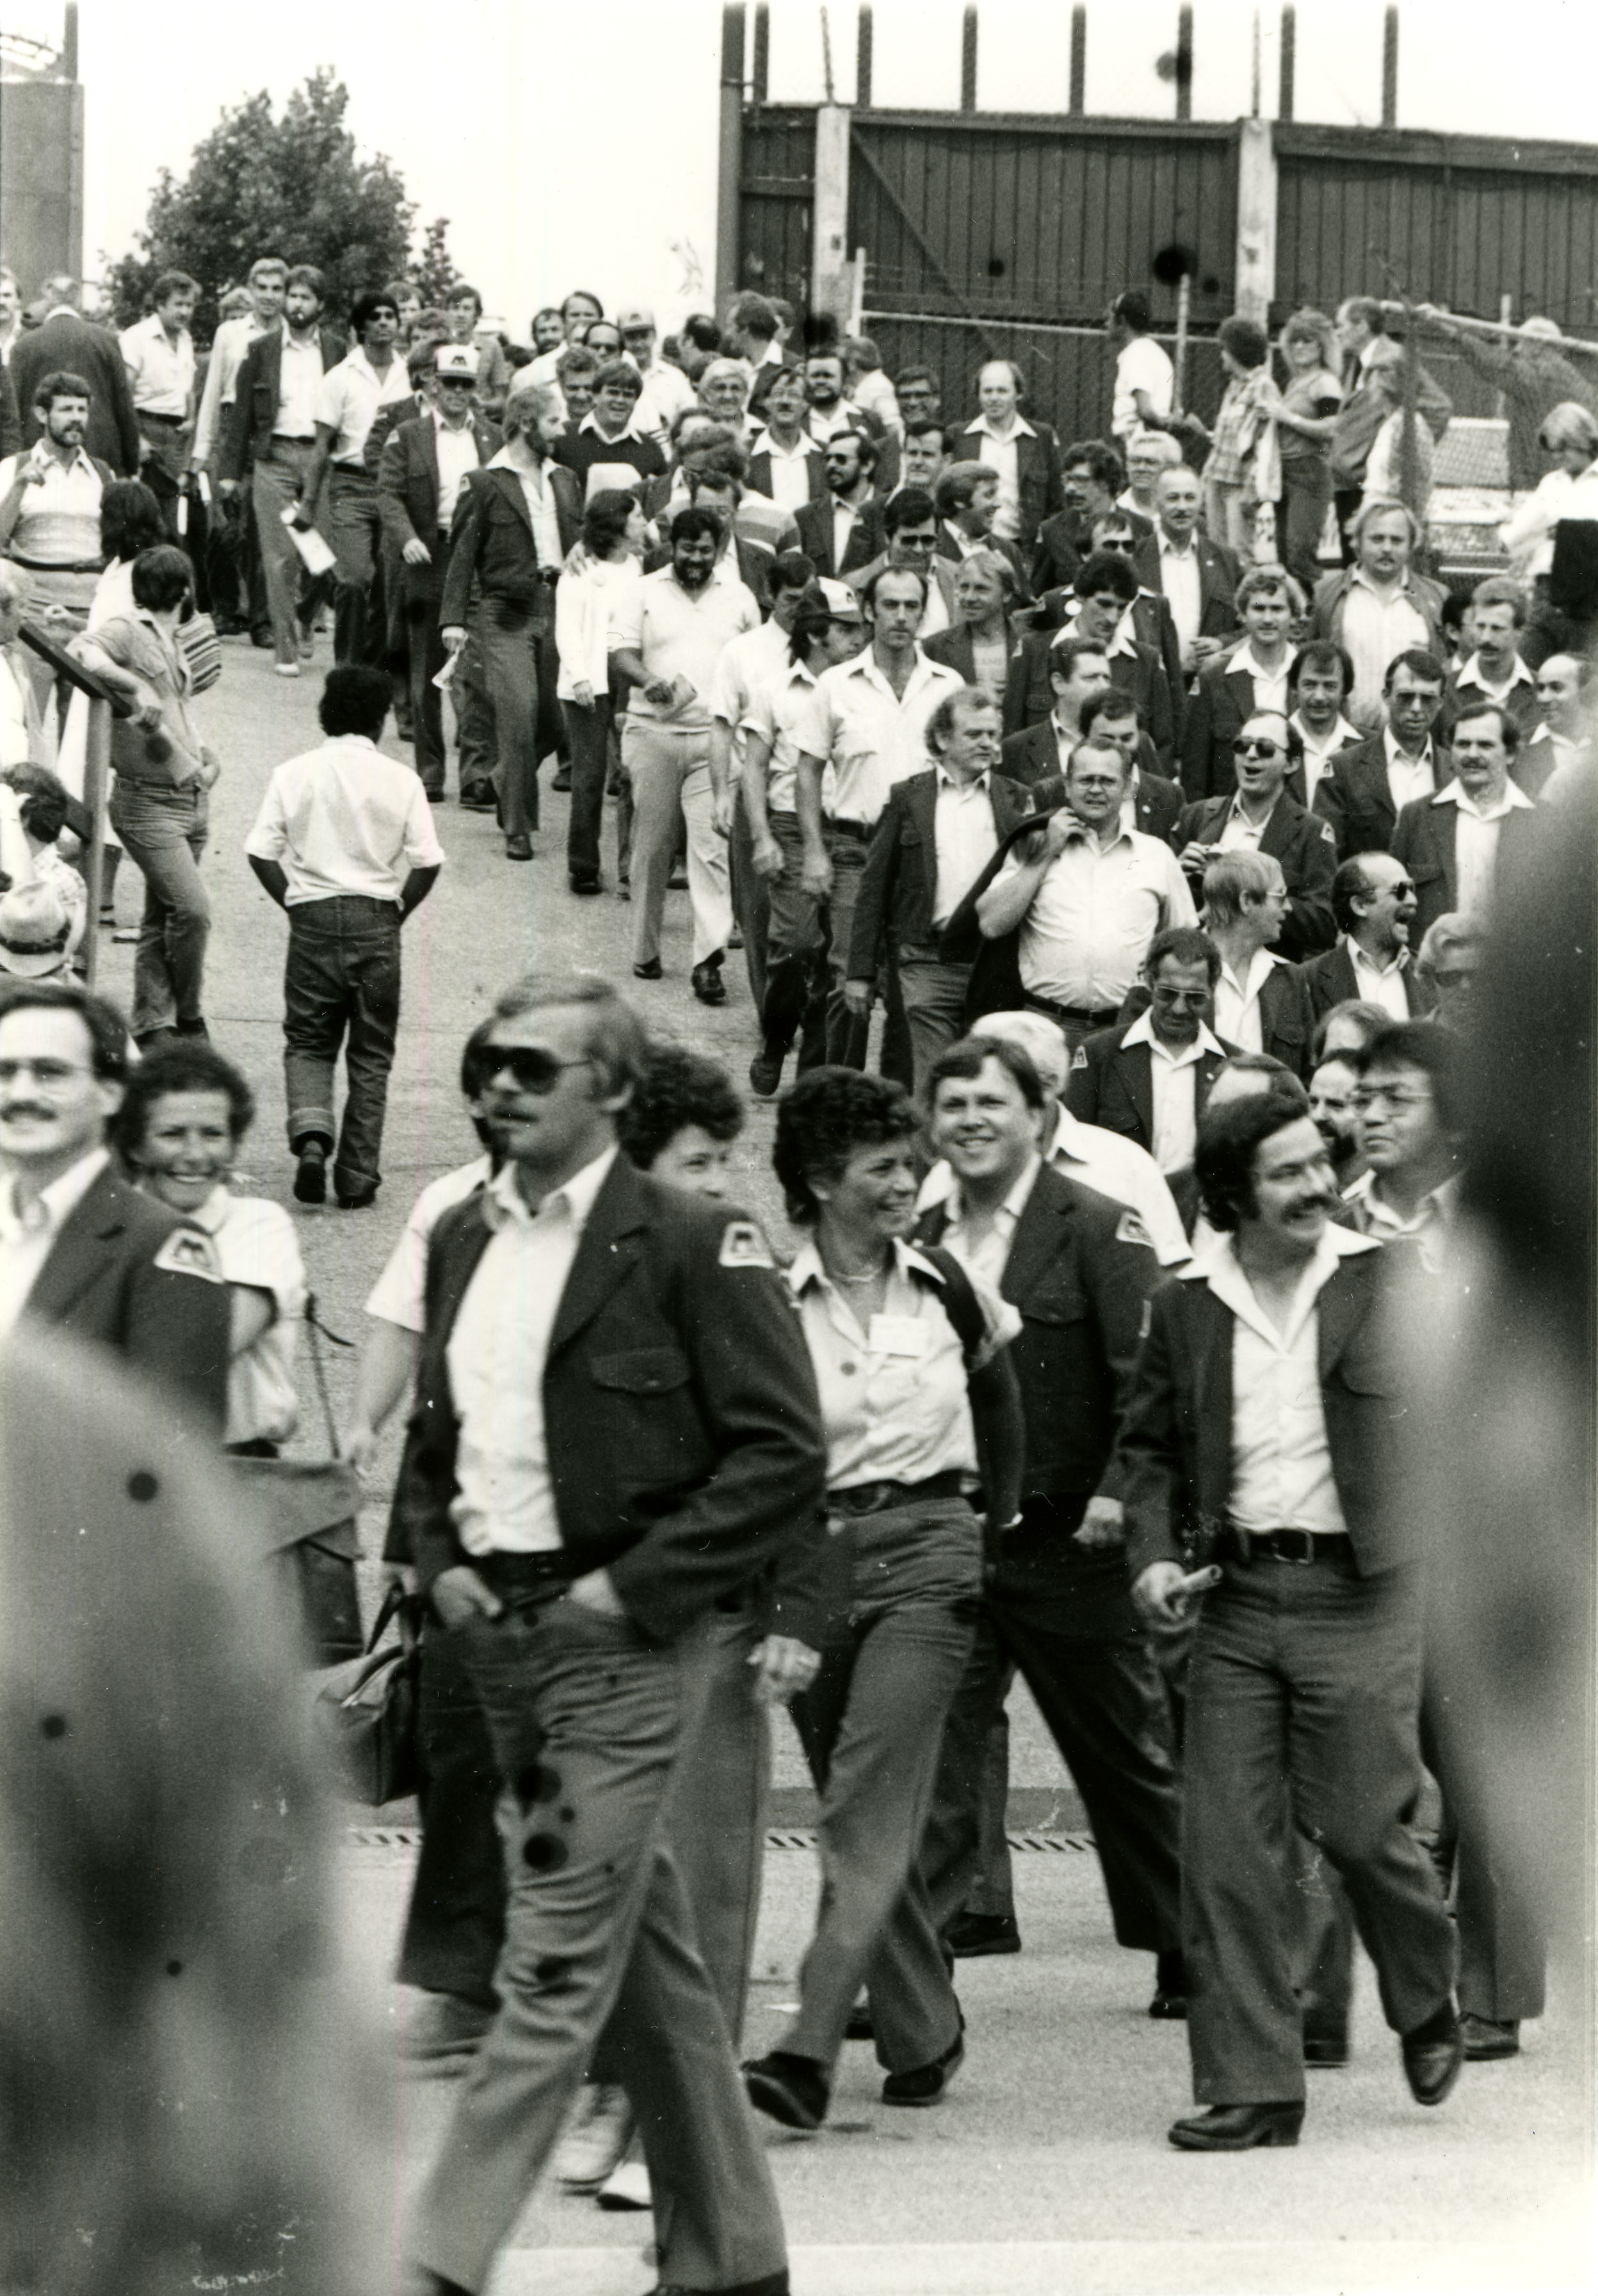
pixel 1046 2170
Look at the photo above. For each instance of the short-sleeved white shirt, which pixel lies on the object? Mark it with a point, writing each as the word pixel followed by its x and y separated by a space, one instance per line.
pixel 1143 365
pixel 747 664
pixel 869 734
pixel 348 398
pixel 345 819
pixel 257 1247
pixel 399 1293
pixel 681 633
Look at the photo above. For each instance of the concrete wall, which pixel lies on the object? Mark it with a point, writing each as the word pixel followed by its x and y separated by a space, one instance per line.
pixel 41 180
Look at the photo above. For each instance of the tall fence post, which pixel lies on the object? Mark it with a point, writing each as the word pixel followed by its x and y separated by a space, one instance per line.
pixel 830 283
pixel 1389 69
pixel 1256 221
pixel 1184 63
pixel 731 156
pixel 1184 305
pixel 96 779
pixel 967 61
pixel 760 70
pixel 862 58
pixel 1290 58
pixel 1079 60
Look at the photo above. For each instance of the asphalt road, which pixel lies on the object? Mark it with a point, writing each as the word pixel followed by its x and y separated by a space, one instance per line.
pixel 1046 2169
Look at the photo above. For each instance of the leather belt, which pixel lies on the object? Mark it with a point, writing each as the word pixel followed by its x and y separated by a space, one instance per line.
pixel 862 831
pixel 1286 1545
pixel 294 438
pixel 524 1581
pixel 876 1498
pixel 1101 1016
pixel 148 415
pixel 53 566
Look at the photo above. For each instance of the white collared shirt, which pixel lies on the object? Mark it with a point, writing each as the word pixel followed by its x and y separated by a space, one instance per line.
pixel 1473 675
pixel 160 371
pixel 1094 914
pixel 681 633
pixel 1237 1001
pixel 778 712
pixel 1377 624
pixel 58 522
pixel 504 1503
pixel 1270 685
pixel 1408 779
pixel 790 468
pixel 666 391
pixel 1181 581
pixel 399 1294
pixel 1003 456
pixel 458 454
pixel 1318 754
pixel 1282 1477
pixel 870 736
pixel 893 1394
pixel 1174 1073
pixel 968 544
pixel 299 379
pixel 747 664
pixel 348 398
pixel 1115 1169
pixel 987 1254
pixel 345 819
pixel 966 838
pixel 845 516
pixel 27 1238
pixel 1239 834
pixel 1375 1217
pixel 257 1248
pixel 1379 984
pixel 532 475
pixel 1476 840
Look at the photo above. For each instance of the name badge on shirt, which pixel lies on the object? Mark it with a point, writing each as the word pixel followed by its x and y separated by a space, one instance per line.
pixel 897 1335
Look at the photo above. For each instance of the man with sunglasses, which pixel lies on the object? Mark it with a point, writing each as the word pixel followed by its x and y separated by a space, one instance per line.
pixel 617 1436
pixel 1261 816
pixel 1373 907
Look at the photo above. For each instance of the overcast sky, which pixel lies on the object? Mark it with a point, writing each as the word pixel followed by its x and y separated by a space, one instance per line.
pixel 574 143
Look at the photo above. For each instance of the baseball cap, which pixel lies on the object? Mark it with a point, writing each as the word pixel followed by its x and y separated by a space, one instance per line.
pixel 843 603
pixel 1548 329
pixel 640 315
pixel 457 363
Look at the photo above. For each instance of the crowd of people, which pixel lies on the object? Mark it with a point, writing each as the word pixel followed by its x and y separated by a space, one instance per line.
pixel 1113 834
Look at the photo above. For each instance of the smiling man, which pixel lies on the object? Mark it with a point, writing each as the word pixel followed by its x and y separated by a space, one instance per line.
pixel 1453 843
pixel 1261 816
pixel 1254 677
pixel 1373 902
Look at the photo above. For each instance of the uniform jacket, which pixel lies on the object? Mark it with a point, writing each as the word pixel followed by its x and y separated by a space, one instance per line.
pixel 1033 758
pixel 1140 674
pixel 69 343
pixel 867 535
pixel 407 495
pixel 1356 798
pixel 126 1272
pixel 1222 705
pixel 1217 582
pixel 1152 626
pixel 1331 981
pixel 1111 1083
pixel 815 473
pixel 898 884
pixel 491 538
pixel 1286 1016
pixel 1175 1446
pixel 1302 842
pixel 1424 841
pixel 1331 595
pixel 247 423
pixel 684 1430
pixel 1037 474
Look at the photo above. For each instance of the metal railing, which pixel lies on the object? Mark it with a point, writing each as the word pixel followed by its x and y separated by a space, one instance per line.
pixel 96 772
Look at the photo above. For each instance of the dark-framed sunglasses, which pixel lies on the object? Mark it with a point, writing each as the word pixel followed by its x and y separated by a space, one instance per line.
pixel 1254 747
pixel 533 1068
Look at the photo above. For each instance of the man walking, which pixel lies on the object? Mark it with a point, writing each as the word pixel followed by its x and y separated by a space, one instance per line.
pixel 65 341
pixel 574 1518
pixel 159 355
pixel 50 517
pixel 348 398
pixel 345 843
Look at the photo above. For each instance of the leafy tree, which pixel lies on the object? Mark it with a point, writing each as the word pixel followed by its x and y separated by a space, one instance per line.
pixel 435 274
pixel 294 186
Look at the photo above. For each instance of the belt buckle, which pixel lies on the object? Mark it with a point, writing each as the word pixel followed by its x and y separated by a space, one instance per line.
pixel 1308 1540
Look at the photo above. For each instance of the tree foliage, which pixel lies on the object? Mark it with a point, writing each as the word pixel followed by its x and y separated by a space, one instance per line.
pixel 435 273
pixel 294 186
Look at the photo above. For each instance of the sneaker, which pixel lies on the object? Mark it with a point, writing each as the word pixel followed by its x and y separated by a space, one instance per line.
pixel 627 2186
pixel 597 2138
pixel 442 2025
pixel 286 669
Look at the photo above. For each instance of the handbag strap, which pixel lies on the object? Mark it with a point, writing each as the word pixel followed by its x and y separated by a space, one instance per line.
pixel 398 1604
pixel 318 1331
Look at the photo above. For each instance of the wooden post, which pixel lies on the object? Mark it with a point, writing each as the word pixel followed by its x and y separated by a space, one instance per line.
pixel 1079 60
pixel 96 775
pixel 1409 461
pixel 1389 69
pixel 1184 302
pixel 69 42
pixel 1255 282
pixel 968 61
pixel 1506 310
pixel 862 60
pixel 760 70
pixel 829 213
pixel 1184 63
pixel 1290 53
pixel 731 156
pixel 856 293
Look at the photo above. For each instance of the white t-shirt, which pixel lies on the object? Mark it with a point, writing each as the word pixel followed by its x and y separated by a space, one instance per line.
pixel 1143 365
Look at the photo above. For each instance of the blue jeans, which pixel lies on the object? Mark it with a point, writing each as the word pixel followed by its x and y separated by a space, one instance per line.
pixel 342 987
pixel 164 832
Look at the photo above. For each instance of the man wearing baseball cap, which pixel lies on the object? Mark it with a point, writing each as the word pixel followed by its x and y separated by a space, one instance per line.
pixel 667 390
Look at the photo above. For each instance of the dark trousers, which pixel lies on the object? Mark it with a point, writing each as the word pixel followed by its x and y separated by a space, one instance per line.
pixel 342 987
pixel 1345 502
pixel 1303 1700
pixel 1301 517
pixel 588 736
pixel 599 1962
pixel 455 1926
pixel 751 899
pixel 847 1036
pixel 518 662
pixel 355 531
pixel 164 832
pixel 794 999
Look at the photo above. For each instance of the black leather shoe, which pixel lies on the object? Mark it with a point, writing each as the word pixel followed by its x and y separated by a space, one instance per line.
pixel 791 2089
pixel 927 2083
pixel 765 1070
pixel 1170 2002
pixel 1237 2127
pixel 586 885
pixel 971 1936
pixel 479 798
pixel 1487 2038
pixel 860 2026
pixel 518 848
pixel 708 985
pixel 1433 2054
pixel 361 1200
pixel 1323 2049
pixel 651 971
pixel 770 2283
pixel 563 779
pixel 310 1173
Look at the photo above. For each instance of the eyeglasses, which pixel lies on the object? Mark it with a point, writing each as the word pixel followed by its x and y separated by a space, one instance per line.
pixel 51 1074
pixel 532 1067
pixel 1181 1000
pixel 1121 541
pixel 1254 747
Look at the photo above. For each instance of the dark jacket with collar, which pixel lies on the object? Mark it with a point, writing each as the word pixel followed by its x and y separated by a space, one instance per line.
pixel 1424 840
pixel 1152 626
pixel 1463 692
pixel 1111 1083
pixel 1286 1016
pixel 1066 539
pixel 898 886
pixel 491 540
pixel 128 1274
pixel 1532 763
pixel 1302 842
pixel 1356 798
pixel 1033 758
pixel 407 495
pixel 1331 981
pixel 686 1449
pixel 866 537
pixel 948 553
pixel 953 648
pixel 1140 675
pixel 247 424
pixel 1175 1446
pixel 1038 482
pixel 1222 704
pixel 815 473
pixel 1217 582
pixel 1331 598
pixel 68 343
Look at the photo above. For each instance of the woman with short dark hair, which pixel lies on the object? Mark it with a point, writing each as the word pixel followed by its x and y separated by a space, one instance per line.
pixel 607 568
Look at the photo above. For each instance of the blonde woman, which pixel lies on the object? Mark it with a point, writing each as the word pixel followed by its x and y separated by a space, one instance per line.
pixel 1305 415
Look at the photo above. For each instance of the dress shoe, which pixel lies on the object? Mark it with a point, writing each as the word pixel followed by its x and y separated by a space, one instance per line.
pixel 597 2138
pixel 970 1936
pixel 586 885
pixel 563 779
pixel 518 848
pixel 860 2026
pixel 1237 2127
pixel 765 1070
pixel 194 1028
pixel 927 2083
pixel 650 970
pixel 443 2028
pixel 627 2186
pixel 791 2089
pixel 357 1199
pixel 708 985
pixel 1170 2002
pixel 435 792
pixel 479 798
pixel 735 938
pixel 1433 2054
pixel 311 1173
pixel 769 2283
pixel 1486 2038
pixel 1324 2049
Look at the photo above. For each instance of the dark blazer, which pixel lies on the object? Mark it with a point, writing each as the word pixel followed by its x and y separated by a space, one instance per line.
pixel 1152 626
pixel 580 449
pixel 1140 675
pixel 10 421
pixel 1111 1083
pixel 1331 598
pixel 1522 706
pixel 407 495
pixel 247 424
pixel 1037 475
pixel 948 553
pixel 126 1272
pixel 1424 841
pixel 1354 795
pixel 1064 540
pixel 815 473
pixel 898 886
pixel 686 1448
pixel 1176 1440
pixel 1331 981
pixel 67 342
pixel 492 538
pixel 1286 1018
pixel 1217 582
pixel 1302 842
pixel 1532 763
pixel 866 537
pixel 1221 706
pixel 1033 758
pixel 953 647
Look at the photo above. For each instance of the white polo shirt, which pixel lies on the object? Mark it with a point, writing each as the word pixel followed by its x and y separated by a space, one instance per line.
pixel 778 712
pixel 681 633
pixel 348 398
pixel 1094 914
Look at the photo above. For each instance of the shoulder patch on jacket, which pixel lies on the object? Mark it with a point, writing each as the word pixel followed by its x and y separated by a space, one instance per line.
pixel 1325 828
pixel 1081 1060
pixel 744 1245
pixel 1130 1229
pixel 188 1251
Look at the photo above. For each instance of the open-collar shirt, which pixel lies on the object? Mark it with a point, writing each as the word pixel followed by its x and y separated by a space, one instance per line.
pixel 1174 1073
pixel 28 1237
